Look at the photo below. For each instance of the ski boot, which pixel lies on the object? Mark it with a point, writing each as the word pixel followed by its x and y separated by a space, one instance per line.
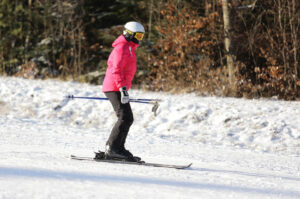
pixel 120 154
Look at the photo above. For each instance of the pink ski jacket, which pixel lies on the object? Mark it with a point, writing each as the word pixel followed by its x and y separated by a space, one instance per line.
pixel 121 65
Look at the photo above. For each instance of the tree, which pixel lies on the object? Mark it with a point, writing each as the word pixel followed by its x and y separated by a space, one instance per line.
pixel 13 33
pixel 228 45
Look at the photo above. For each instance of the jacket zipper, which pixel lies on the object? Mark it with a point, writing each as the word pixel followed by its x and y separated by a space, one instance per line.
pixel 130 51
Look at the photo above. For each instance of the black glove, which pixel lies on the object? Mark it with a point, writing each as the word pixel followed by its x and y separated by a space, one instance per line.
pixel 124 95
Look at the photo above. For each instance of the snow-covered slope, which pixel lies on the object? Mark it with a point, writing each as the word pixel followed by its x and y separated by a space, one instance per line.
pixel 239 148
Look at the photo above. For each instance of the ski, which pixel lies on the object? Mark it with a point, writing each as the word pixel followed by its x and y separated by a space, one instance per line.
pixel 74 157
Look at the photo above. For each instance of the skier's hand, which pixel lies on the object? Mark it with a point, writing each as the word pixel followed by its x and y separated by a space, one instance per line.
pixel 124 95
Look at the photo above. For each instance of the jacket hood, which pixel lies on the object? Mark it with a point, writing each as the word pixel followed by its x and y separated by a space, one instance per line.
pixel 121 40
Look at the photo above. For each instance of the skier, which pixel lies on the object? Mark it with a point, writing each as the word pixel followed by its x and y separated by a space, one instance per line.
pixel 121 67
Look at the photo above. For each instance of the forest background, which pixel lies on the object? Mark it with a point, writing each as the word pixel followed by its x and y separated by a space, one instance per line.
pixel 240 48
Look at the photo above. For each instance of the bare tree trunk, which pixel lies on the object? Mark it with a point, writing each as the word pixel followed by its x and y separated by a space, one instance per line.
pixel 227 41
pixel 28 33
pixel 282 24
pixel 206 8
pixel 80 34
pixel 61 20
pixel 294 26
pixel 150 20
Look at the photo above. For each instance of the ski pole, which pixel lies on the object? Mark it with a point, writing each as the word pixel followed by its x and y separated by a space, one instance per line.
pixel 143 101
pixel 93 98
pixel 147 100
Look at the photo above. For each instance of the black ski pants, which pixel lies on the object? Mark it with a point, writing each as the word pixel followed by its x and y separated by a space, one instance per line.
pixel 120 130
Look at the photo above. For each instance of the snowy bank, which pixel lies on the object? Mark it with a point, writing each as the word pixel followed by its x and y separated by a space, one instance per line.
pixel 264 125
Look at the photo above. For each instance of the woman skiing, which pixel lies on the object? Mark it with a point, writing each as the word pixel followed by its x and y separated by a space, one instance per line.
pixel 121 67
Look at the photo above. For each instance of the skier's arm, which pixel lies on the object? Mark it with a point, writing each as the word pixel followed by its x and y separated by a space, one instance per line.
pixel 117 69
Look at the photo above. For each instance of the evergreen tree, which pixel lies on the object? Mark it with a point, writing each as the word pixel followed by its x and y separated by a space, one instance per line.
pixel 13 32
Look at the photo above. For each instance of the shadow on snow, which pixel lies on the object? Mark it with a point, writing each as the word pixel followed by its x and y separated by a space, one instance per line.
pixel 63 175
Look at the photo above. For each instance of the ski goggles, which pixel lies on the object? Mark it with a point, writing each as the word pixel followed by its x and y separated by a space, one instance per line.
pixel 138 35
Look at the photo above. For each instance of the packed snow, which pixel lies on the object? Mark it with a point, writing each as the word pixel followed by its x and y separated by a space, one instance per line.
pixel 239 148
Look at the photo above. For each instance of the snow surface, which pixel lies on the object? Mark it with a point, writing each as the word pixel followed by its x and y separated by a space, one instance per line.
pixel 239 148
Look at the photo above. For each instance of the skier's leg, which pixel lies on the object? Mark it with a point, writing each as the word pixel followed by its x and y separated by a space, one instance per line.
pixel 120 130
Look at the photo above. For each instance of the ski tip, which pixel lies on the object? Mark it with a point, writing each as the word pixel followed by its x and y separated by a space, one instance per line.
pixel 187 166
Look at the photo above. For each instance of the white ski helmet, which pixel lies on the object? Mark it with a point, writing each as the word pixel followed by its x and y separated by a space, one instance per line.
pixel 135 29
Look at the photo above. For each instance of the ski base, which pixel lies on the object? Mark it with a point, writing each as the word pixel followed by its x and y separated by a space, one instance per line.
pixel 74 157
